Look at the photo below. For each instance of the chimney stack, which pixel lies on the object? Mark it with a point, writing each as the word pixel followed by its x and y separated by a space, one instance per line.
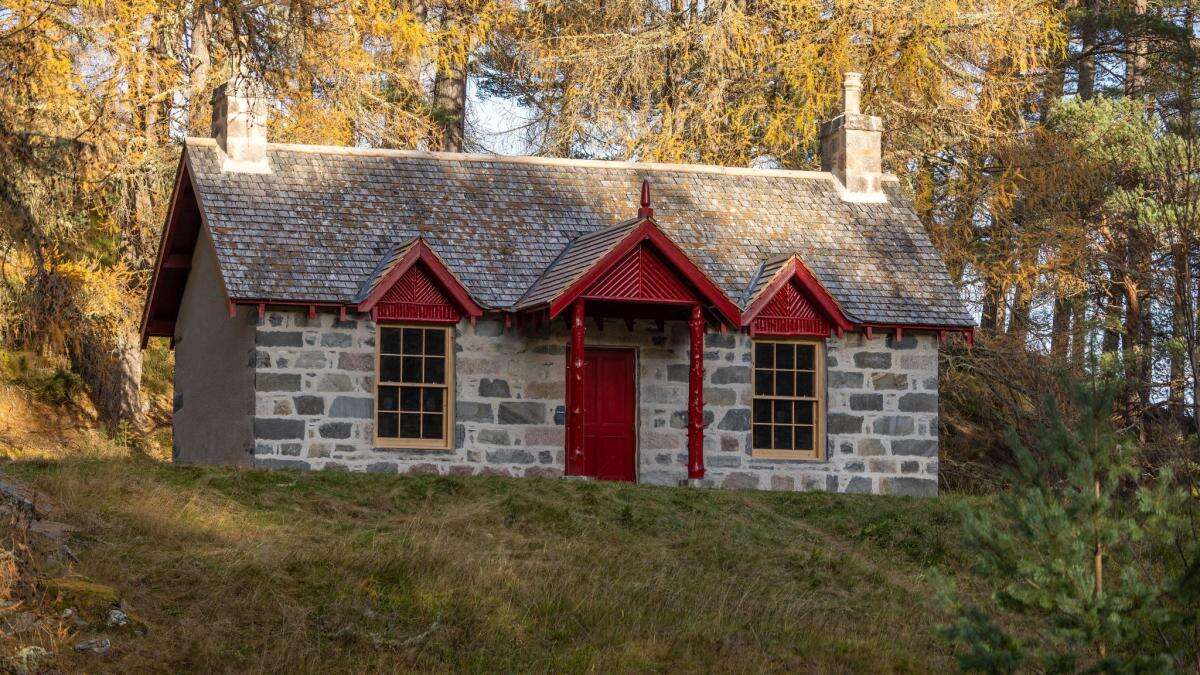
pixel 851 148
pixel 239 124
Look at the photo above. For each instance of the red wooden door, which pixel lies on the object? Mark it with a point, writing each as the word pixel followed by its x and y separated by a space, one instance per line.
pixel 610 414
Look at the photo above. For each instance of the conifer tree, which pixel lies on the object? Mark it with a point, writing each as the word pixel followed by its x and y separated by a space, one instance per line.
pixel 1096 563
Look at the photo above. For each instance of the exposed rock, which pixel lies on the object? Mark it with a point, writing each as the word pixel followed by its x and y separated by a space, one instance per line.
pixel 19 622
pixel 69 614
pixel 116 618
pixel 52 530
pixel 96 645
pixel 28 660
pixel 33 503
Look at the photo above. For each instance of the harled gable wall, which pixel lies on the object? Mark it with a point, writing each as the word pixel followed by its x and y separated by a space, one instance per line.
pixel 214 378
pixel 313 406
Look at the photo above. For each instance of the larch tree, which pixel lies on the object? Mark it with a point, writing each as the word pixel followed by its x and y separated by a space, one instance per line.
pixel 94 99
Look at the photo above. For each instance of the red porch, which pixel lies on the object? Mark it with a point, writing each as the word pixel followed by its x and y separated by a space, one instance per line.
pixel 627 272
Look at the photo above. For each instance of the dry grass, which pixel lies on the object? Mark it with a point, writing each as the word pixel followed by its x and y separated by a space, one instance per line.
pixel 30 429
pixel 253 571
pixel 44 413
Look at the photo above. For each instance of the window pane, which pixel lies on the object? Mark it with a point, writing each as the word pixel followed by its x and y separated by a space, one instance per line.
pixel 764 382
pixel 412 369
pixel 783 412
pixel 435 370
pixel 785 383
pixel 388 425
pixel 410 398
pixel 431 426
pixel 410 425
pixel 389 340
pixel 389 398
pixel 785 373
pixel 412 340
pixel 432 399
pixel 435 342
pixel 785 356
pixel 762 436
pixel 764 355
pixel 805 357
pixel 804 384
pixel 389 368
pixel 804 438
pixel 804 411
pixel 783 437
pixel 762 410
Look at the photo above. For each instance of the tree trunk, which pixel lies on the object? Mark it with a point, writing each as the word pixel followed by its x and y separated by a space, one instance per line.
pixel 994 301
pixel 1086 68
pixel 1060 325
pixel 1135 64
pixel 111 367
pixel 1022 305
pixel 1113 307
pixel 199 67
pixel 1181 310
pixel 1018 322
pixel 1138 346
pixel 450 93
pixel 420 11
pixel 1079 333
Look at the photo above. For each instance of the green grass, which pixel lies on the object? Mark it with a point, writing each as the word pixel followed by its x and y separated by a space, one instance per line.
pixel 236 571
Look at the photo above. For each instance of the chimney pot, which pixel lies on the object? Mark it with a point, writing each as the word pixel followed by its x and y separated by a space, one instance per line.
pixel 851 93
pixel 239 125
pixel 851 147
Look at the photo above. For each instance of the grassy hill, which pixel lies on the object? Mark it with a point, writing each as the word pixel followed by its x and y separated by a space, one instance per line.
pixel 235 571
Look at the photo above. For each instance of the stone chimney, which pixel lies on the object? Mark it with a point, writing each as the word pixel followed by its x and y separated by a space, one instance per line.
pixel 850 147
pixel 239 124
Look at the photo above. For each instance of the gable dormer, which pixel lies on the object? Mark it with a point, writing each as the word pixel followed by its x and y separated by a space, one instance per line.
pixel 411 283
pixel 789 300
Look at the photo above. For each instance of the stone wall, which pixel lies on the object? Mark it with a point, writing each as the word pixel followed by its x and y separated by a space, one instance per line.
pixel 313 405
pixel 881 424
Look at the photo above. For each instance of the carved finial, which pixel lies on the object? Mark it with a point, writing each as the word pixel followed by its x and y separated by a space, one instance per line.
pixel 645 211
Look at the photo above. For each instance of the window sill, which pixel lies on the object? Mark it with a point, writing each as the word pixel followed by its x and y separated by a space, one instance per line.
pixel 384 444
pixel 785 455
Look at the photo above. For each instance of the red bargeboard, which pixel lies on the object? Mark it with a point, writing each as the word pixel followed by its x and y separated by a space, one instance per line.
pixel 416 296
pixel 791 313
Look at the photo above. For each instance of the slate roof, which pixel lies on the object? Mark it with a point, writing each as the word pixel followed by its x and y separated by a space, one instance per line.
pixel 317 226
pixel 390 257
pixel 762 278
pixel 579 255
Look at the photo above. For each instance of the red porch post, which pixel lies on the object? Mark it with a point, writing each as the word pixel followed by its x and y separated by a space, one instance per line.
pixel 575 393
pixel 696 396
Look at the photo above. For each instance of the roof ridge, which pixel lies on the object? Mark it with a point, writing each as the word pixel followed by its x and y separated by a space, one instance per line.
pixel 545 161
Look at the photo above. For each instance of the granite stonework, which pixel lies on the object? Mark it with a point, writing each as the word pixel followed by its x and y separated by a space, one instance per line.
pixel 314 401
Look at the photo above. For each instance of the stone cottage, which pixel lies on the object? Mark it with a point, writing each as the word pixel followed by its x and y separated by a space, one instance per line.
pixel 415 312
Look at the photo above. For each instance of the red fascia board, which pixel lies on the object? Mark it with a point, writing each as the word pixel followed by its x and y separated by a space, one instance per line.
pixel 967 331
pixel 420 251
pixel 795 269
pixel 648 231
pixel 181 175
pixel 286 303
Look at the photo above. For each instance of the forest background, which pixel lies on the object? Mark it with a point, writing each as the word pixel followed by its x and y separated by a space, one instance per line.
pixel 1050 147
